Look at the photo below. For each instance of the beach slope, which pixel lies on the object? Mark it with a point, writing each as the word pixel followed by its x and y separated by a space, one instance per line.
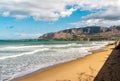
pixel 85 68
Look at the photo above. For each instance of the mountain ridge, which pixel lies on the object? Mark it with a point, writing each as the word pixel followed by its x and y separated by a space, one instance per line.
pixel 89 32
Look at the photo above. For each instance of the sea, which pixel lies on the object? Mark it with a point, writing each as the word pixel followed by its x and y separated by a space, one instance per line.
pixel 21 57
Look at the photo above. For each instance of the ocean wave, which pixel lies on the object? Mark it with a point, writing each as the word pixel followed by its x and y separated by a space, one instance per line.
pixel 64 45
pixel 43 55
pixel 15 48
pixel 20 47
pixel 26 53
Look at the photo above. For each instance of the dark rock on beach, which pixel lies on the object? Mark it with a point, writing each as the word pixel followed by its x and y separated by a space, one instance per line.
pixel 111 69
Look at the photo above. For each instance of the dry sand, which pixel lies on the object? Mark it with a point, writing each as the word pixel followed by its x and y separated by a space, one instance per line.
pixel 85 68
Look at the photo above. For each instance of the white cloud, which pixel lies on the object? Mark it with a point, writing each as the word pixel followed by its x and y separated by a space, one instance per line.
pixel 5 14
pixel 96 22
pixel 19 35
pixel 38 9
pixel 107 11
pixel 27 35
pixel 96 4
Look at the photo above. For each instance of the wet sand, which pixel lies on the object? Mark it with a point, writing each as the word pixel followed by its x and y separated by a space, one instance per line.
pixel 85 68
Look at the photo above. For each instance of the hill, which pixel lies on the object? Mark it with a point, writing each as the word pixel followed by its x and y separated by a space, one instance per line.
pixel 85 33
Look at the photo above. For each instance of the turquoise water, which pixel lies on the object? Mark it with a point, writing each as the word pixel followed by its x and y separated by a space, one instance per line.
pixel 20 57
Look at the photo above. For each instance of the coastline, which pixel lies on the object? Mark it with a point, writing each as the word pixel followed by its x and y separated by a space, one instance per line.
pixel 67 72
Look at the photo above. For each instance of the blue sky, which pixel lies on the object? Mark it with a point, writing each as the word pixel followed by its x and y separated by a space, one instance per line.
pixel 24 19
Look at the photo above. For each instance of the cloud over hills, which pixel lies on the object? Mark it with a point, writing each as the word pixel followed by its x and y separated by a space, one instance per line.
pixel 106 12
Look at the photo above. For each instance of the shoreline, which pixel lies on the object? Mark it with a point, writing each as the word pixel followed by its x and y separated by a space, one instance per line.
pixel 43 69
pixel 47 69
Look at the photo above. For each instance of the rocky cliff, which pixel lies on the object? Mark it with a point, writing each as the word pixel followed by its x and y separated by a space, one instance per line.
pixel 91 32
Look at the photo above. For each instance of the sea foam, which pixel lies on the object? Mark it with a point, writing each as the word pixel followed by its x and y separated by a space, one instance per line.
pixel 26 53
pixel 18 60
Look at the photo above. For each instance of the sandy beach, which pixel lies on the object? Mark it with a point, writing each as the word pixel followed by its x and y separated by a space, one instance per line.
pixel 85 68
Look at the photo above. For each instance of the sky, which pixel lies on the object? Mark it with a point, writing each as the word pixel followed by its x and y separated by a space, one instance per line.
pixel 25 19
